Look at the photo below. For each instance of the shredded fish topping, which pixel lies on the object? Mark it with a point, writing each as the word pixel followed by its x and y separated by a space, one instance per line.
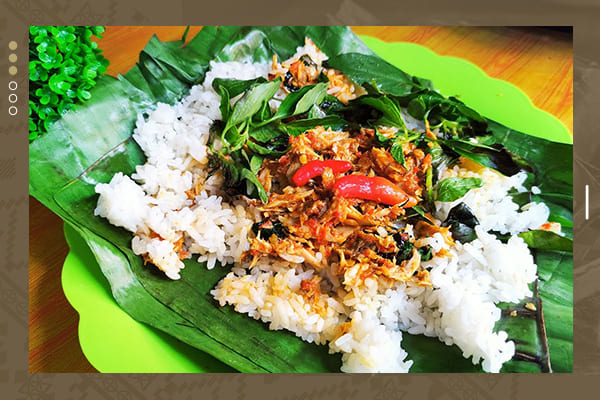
pixel 356 238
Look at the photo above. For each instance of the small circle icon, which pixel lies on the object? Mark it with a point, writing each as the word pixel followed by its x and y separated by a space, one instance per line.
pixel 12 58
pixel 12 85
pixel 12 110
pixel 12 70
pixel 12 45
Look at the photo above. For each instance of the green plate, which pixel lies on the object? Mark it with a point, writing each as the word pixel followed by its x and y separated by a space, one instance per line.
pixel 113 342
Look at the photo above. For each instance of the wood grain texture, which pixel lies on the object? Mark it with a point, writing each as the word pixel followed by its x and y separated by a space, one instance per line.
pixel 538 61
pixel 53 341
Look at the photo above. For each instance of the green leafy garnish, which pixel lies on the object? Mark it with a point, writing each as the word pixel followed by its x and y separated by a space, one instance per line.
pixel 496 156
pixel 451 189
pixel 301 101
pixel 252 132
pixel 450 115
pixel 370 69
pixel 64 65
pixel 390 110
pixel 297 127
pixel 244 145
pixel 252 102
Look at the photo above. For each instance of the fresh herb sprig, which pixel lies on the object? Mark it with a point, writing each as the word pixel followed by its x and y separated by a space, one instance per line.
pixel 449 114
pixel 252 131
pixel 64 64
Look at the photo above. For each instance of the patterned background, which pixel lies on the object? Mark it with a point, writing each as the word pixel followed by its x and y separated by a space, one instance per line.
pixel 17 383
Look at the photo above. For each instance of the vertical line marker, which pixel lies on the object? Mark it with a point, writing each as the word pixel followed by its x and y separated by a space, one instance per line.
pixel 587 202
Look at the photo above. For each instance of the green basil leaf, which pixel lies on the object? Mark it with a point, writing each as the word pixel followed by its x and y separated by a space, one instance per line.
pixel 390 110
pixel 452 116
pixel 301 101
pixel 253 182
pixel 495 156
pixel 418 212
pixel 288 105
pixel 230 88
pixel 451 189
pixel 300 126
pixel 235 87
pixel 253 101
pixel 255 163
pixel 225 105
pixel 266 133
pixel 398 154
pixel 271 149
pixel 362 68
pixel 313 96
pixel 233 139
pixel 417 108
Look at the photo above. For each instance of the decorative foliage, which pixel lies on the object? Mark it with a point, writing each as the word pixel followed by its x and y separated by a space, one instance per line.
pixel 64 65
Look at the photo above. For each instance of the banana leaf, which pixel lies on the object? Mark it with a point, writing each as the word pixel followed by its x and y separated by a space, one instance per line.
pixel 93 141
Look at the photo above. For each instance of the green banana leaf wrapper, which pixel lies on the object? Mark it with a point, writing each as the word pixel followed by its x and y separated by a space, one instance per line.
pixel 93 142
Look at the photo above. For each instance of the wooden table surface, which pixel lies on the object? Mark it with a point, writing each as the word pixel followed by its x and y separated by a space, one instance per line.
pixel 537 60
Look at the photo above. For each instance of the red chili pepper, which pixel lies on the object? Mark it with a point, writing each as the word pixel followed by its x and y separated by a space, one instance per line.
pixel 373 188
pixel 315 168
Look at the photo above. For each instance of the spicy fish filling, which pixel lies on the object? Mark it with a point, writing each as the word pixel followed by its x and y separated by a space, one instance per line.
pixel 350 214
